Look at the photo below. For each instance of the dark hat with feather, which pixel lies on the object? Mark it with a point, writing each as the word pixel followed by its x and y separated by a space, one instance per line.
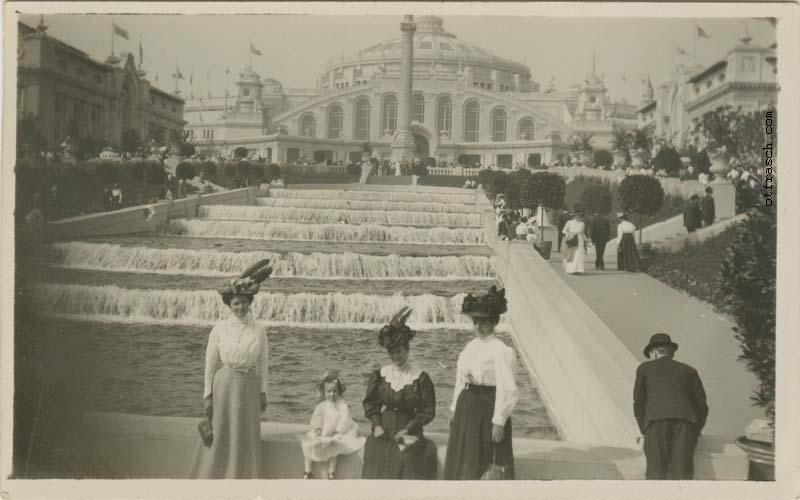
pixel 491 305
pixel 396 332
pixel 248 282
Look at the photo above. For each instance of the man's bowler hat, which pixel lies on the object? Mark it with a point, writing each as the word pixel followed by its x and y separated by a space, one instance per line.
pixel 657 340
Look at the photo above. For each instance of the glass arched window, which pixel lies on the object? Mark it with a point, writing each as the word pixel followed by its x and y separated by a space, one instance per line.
pixel 526 130
pixel 499 125
pixel 335 121
pixel 308 127
pixel 362 120
pixel 419 109
pixel 444 116
pixel 471 121
pixel 389 114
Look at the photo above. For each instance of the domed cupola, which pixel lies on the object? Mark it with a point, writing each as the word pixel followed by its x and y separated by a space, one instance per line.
pixel 249 86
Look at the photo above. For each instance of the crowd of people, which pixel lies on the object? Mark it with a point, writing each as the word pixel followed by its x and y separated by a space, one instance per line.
pixel 400 400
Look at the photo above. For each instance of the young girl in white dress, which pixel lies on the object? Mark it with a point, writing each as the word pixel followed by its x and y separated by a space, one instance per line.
pixel 333 432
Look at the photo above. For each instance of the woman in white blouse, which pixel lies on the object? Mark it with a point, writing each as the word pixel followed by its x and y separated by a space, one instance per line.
pixel 485 394
pixel 235 389
pixel 576 241
pixel 627 256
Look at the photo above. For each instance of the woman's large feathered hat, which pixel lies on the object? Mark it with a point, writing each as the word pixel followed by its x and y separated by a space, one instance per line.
pixel 249 281
pixel 396 332
pixel 493 304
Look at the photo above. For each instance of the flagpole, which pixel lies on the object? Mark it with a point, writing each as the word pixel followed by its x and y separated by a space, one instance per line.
pixel 112 37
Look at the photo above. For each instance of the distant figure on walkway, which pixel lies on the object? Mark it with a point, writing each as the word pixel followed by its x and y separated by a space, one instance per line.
pixel 400 401
pixel 692 217
pixel 333 432
pixel 575 239
pixel 116 197
pixel 627 256
pixel 235 393
pixel 562 216
pixel 484 395
pixel 600 233
pixel 669 404
pixel 707 207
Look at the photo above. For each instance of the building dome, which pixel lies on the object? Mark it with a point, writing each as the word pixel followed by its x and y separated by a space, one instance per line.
pixel 248 75
pixel 432 46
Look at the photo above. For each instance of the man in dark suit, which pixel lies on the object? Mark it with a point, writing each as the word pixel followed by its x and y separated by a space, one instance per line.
pixel 599 232
pixel 707 207
pixel 669 403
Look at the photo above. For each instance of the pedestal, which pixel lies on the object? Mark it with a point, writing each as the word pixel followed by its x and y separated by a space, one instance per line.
pixel 724 200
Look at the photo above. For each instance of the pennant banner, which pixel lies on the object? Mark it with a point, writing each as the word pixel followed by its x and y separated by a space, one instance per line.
pixel 254 50
pixel 119 31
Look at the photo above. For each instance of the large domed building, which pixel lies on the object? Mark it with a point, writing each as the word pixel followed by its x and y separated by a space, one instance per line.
pixel 468 106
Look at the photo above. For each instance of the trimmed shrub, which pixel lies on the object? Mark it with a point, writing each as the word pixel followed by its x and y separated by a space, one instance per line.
pixel 748 281
pixel 274 171
pixel 603 158
pixel 240 152
pixel 546 188
pixel 641 194
pixel 230 169
pixel 244 169
pixel 597 199
pixel 156 175
pixel 420 170
pixel 209 168
pixel 108 173
pixel 185 171
pixel 187 149
pixel 354 169
pixel 669 160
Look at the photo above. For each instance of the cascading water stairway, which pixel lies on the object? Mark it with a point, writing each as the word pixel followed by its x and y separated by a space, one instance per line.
pixel 315 215
pixel 373 195
pixel 180 261
pixel 323 232
pixel 393 206
pixel 111 303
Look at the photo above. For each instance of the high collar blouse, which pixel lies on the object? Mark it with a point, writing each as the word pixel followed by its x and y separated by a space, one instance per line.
pixel 240 344
pixel 624 227
pixel 488 361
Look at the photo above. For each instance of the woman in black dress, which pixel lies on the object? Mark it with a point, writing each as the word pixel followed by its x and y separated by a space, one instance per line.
pixel 485 394
pixel 400 401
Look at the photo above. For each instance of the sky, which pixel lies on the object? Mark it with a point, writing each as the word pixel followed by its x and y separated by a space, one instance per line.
pixel 296 48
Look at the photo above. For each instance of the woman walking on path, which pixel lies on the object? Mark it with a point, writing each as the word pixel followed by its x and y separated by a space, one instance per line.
pixel 400 401
pixel 235 392
pixel 575 240
pixel 627 256
pixel 485 395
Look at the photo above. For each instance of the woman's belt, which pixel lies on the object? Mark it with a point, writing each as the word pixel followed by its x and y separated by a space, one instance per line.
pixel 481 389
pixel 241 369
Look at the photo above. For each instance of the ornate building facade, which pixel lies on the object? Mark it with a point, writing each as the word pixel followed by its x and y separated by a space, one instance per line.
pixel 61 84
pixel 746 78
pixel 468 106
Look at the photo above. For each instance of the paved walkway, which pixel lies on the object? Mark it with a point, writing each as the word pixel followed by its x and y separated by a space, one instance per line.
pixel 634 306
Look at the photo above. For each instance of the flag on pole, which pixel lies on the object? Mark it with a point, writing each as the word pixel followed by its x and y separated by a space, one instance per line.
pixel 178 75
pixel 119 31
pixel 254 50
pixel 141 52
pixel 701 33
pixel 156 79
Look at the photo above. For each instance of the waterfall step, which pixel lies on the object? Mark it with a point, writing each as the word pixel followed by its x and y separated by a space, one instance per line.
pixel 394 206
pixel 363 194
pixel 288 246
pixel 112 303
pixel 367 233
pixel 141 280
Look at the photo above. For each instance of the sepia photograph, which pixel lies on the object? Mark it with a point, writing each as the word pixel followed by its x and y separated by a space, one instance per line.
pixel 427 243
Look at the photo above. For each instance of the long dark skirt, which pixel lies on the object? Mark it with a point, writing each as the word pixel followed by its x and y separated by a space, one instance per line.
pixel 627 256
pixel 383 458
pixel 470 449
pixel 236 450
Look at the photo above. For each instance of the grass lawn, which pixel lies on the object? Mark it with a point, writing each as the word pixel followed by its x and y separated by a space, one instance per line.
pixel 695 268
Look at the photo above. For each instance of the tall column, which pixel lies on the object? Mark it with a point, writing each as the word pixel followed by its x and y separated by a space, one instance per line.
pixel 403 143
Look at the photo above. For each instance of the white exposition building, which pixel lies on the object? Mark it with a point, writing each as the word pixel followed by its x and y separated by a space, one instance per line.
pixel 464 104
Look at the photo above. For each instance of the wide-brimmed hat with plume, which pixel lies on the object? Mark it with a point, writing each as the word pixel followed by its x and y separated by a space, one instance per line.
pixel 493 304
pixel 249 281
pixel 396 332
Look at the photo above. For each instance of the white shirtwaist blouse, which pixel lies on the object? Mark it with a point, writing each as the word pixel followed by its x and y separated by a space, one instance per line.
pixel 624 227
pixel 489 361
pixel 239 344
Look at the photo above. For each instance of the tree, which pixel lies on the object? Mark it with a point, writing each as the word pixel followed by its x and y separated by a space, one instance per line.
pixel 597 199
pixel 129 141
pixel 741 133
pixel 244 169
pixel 30 140
pixel 493 181
pixel 544 188
pixel 748 280
pixel 273 172
pixel 515 183
pixel 353 169
pixel 155 173
pixel 185 171
pixel 642 139
pixel 603 158
pixel 669 160
pixel 187 149
pixel 621 139
pixel 209 168
pixel 581 142
pixel 420 170
pixel 240 152
pixel 641 194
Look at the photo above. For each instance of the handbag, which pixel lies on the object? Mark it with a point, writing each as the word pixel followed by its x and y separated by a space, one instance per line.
pixel 206 431
pixel 573 241
pixel 495 472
